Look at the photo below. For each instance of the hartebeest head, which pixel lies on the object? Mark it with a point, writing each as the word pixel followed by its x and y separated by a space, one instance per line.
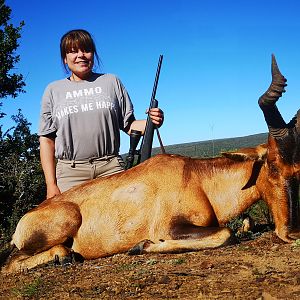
pixel 283 154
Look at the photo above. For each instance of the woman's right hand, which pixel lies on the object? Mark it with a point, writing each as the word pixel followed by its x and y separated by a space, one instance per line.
pixel 52 190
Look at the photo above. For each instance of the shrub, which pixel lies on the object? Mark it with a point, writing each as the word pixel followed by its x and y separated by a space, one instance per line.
pixel 21 182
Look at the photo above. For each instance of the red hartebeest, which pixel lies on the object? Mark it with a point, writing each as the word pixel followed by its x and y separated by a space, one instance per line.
pixel 169 203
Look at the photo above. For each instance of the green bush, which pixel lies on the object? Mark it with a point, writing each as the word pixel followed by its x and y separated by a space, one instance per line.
pixel 21 182
pixel 260 216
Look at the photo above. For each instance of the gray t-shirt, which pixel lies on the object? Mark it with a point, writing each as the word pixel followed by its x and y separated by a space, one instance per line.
pixel 86 116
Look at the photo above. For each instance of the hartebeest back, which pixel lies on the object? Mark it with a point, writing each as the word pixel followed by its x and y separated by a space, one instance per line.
pixel 169 203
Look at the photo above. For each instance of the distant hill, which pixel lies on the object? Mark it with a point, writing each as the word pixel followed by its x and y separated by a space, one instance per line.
pixel 214 147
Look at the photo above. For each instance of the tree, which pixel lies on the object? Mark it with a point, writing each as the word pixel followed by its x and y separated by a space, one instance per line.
pixel 22 183
pixel 11 84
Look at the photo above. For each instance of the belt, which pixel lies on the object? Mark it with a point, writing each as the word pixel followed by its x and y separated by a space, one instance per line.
pixel 88 160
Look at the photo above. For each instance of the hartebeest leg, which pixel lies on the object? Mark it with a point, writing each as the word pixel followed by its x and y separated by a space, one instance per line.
pixel 217 238
pixel 22 262
pixel 41 233
pixel 282 198
pixel 47 226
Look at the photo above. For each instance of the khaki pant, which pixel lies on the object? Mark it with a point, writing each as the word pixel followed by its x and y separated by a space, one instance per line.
pixel 71 173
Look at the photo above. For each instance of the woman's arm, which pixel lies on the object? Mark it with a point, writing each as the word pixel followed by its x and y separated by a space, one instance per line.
pixel 47 151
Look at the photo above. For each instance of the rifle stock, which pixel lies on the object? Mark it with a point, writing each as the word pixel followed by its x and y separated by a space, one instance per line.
pixel 135 136
pixel 146 146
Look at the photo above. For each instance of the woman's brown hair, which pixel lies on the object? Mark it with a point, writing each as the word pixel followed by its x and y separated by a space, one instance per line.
pixel 77 39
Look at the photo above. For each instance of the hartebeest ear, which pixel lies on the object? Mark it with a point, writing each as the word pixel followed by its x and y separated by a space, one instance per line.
pixel 256 153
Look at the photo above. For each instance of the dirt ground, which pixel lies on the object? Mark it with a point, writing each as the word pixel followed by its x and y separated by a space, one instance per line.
pixel 264 268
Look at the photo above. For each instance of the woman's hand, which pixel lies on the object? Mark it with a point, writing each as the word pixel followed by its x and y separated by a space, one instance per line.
pixel 157 116
pixel 52 190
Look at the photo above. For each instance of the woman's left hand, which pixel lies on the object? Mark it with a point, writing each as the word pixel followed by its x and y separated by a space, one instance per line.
pixel 157 116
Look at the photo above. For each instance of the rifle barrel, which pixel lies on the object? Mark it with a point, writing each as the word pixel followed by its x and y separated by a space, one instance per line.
pixel 156 78
pixel 147 140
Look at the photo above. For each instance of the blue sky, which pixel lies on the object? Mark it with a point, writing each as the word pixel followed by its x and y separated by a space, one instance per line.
pixel 216 64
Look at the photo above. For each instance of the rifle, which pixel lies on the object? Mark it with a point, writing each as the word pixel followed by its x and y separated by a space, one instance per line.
pixel 135 135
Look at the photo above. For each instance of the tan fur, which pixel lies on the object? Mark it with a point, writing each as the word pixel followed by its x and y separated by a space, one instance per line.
pixel 257 153
pixel 176 202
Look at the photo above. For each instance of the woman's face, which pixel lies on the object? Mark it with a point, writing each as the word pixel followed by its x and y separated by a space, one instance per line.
pixel 80 63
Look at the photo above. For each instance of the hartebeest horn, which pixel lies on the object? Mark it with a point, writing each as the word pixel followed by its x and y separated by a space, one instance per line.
pixel 267 102
pixel 276 87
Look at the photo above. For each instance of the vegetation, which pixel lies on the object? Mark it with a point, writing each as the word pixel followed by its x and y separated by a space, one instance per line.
pixel 11 84
pixel 30 290
pixel 261 218
pixel 213 148
pixel 21 177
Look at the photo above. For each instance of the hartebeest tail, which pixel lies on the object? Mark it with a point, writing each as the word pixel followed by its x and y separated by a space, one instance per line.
pixel 170 203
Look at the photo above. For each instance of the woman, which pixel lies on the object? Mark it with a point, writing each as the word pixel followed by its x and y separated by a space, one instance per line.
pixel 81 118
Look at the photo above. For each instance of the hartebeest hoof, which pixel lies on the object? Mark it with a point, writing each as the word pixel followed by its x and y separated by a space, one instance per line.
pixel 140 247
pixel 285 236
pixel 71 258
pixel 295 234
pixel 63 261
